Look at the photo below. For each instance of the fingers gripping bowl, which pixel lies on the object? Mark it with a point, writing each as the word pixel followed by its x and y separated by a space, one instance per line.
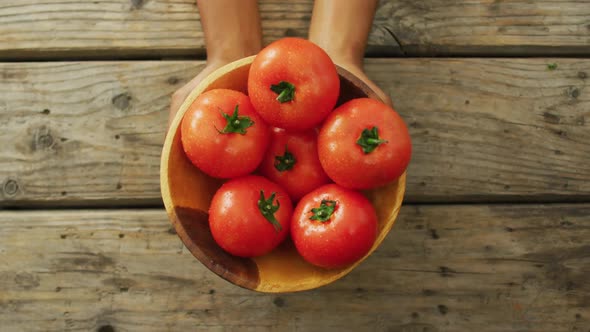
pixel 187 193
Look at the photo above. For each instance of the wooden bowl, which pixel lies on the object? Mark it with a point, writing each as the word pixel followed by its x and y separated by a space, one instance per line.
pixel 187 193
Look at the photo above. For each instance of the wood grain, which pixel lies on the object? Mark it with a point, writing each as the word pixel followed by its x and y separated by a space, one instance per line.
pixel 487 27
pixel 101 29
pixel 442 268
pixel 82 134
pixel 493 129
pixel 86 131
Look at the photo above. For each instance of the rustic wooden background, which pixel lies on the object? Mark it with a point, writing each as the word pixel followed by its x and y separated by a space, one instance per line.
pixel 494 234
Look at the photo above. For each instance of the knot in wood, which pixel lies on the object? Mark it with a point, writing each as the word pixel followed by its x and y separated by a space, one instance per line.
pixel 136 4
pixel 45 141
pixel 10 188
pixel 172 80
pixel 573 92
pixel 121 101
pixel 42 139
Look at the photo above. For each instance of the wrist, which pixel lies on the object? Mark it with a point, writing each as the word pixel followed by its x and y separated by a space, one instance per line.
pixel 232 29
pixel 346 58
pixel 341 52
pixel 331 28
pixel 231 52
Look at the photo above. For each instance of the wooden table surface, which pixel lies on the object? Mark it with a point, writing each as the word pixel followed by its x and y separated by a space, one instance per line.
pixel 494 234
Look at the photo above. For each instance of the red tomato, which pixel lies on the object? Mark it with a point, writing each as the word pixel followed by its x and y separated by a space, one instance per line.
pixel 292 162
pixel 364 144
pixel 333 226
pixel 249 216
pixel 223 135
pixel 293 84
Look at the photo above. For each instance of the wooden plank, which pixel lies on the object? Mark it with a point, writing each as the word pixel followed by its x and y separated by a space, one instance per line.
pixel 494 129
pixel 442 268
pixel 54 29
pixel 86 131
pixel 488 27
pixel 58 29
pixel 90 133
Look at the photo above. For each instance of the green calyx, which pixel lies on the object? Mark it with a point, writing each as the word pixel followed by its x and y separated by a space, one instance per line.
pixel 324 212
pixel 370 140
pixel 285 91
pixel 285 162
pixel 235 123
pixel 268 209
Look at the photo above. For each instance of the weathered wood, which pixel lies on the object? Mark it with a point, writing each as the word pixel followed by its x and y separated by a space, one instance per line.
pixel 483 129
pixel 487 27
pixel 442 268
pixel 493 129
pixel 85 131
pixel 54 29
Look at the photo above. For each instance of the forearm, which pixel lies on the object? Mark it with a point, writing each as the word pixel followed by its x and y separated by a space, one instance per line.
pixel 341 28
pixel 231 27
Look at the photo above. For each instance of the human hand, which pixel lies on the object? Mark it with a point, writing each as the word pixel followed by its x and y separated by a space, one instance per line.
pixel 332 30
pixel 232 31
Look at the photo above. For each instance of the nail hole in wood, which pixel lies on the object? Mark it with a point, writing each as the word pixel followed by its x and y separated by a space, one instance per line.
pixel 279 302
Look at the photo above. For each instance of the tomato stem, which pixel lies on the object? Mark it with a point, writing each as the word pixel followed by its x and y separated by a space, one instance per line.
pixel 236 124
pixel 324 212
pixel 370 140
pixel 268 209
pixel 375 141
pixel 285 91
pixel 286 161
